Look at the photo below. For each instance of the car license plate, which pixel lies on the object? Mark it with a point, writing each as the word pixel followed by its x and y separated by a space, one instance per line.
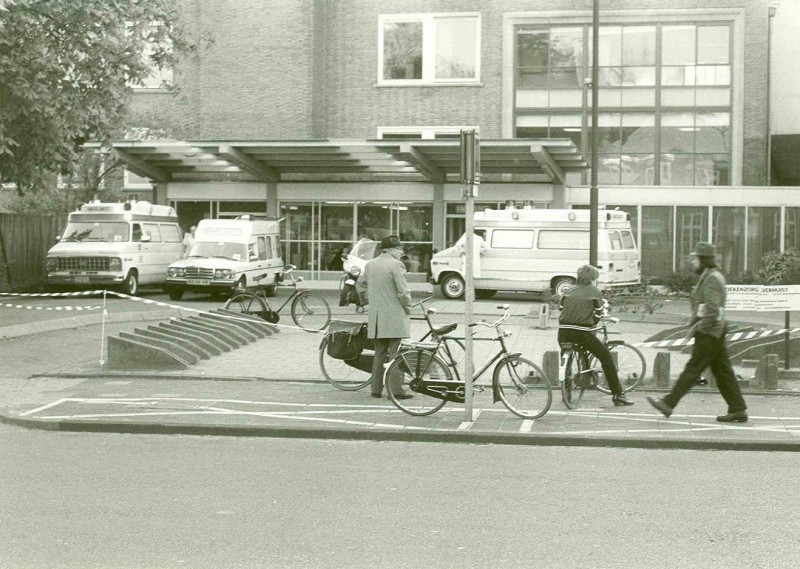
pixel 201 282
pixel 349 282
pixel 82 280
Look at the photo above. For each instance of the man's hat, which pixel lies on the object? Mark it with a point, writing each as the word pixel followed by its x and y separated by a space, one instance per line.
pixel 390 242
pixel 703 249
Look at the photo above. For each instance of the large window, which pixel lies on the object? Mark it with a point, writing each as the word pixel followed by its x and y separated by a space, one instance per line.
pixel 429 48
pixel 315 234
pixel 664 97
pixel 763 234
pixel 656 242
pixel 728 236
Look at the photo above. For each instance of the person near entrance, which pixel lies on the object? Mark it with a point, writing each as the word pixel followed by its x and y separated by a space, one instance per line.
pixel 708 326
pixel 581 309
pixel 188 240
pixel 383 284
pixel 478 250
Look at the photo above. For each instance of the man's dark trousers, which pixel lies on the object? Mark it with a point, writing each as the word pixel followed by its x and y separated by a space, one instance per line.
pixel 709 351
pixel 385 350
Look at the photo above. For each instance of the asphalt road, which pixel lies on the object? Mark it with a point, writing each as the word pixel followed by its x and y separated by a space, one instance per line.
pixel 82 500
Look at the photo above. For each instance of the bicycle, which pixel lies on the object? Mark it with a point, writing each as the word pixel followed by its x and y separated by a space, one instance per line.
pixel 519 383
pixel 309 310
pixel 352 375
pixel 582 371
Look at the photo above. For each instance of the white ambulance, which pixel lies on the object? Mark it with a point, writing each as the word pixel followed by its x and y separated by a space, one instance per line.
pixel 228 253
pixel 115 245
pixel 535 250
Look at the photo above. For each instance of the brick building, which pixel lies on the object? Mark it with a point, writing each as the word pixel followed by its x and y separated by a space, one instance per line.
pixel 339 115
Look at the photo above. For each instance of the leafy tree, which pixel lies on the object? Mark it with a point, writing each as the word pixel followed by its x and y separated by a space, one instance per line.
pixel 66 70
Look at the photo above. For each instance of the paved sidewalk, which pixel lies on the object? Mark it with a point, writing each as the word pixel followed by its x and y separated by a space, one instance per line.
pixel 273 387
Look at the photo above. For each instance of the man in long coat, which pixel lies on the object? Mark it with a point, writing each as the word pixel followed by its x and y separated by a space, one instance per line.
pixel 708 328
pixel 383 284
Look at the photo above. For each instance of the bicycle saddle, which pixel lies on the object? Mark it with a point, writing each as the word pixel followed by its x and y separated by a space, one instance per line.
pixel 441 331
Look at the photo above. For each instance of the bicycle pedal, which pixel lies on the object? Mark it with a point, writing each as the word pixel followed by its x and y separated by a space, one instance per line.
pixel 478 388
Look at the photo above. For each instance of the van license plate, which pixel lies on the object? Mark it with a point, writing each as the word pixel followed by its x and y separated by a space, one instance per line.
pixel 81 279
pixel 201 282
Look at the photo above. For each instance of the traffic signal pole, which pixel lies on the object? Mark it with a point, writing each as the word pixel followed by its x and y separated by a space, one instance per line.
pixel 594 191
pixel 470 178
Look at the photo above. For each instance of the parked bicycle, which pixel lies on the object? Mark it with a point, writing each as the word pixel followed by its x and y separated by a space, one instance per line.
pixel 309 310
pixel 582 371
pixel 356 373
pixel 434 380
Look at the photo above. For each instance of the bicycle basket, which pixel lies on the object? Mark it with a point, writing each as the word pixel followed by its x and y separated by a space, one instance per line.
pixel 345 339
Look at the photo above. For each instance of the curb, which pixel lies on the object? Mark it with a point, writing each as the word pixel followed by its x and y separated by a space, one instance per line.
pixel 232 378
pixel 395 435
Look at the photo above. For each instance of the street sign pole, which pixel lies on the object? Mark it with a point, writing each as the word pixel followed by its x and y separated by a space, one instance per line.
pixel 593 190
pixel 470 164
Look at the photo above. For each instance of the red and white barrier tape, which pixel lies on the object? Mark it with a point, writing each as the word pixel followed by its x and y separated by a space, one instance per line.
pixel 733 337
pixel 128 297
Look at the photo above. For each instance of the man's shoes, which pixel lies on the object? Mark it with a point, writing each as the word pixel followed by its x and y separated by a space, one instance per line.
pixel 659 404
pixel 737 417
pixel 404 395
pixel 701 381
pixel 377 395
pixel 621 400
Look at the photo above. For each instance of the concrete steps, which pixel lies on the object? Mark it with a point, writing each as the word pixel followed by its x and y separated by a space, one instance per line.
pixel 182 342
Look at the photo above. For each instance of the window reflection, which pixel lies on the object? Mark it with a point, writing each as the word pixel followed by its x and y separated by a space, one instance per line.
pixel 763 234
pixel 727 236
pixel 672 66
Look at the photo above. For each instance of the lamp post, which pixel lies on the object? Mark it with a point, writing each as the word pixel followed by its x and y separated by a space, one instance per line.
pixel 593 190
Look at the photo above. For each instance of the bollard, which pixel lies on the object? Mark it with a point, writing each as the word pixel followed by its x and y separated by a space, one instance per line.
pixel 767 371
pixel 550 361
pixel 544 316
pixel 661 371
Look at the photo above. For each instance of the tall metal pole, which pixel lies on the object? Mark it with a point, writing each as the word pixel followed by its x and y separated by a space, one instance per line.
pixel 593 191
pixel 470 177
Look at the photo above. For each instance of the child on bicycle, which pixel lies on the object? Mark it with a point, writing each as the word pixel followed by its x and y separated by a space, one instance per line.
pixel 582 306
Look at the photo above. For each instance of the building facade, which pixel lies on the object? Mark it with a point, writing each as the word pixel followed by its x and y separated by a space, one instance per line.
pixel 683 103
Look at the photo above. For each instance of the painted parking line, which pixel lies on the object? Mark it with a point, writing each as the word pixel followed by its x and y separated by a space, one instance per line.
pixel 338 414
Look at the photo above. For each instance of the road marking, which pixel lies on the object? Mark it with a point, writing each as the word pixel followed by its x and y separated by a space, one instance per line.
pixel 327 414
pixel 526 426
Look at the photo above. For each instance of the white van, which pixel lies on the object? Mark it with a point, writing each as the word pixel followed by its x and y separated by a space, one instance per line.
pixel 115 244
pixel 535 250
pixel 228 253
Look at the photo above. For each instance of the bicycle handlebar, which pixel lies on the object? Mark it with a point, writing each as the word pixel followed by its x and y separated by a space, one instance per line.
pixel 506 313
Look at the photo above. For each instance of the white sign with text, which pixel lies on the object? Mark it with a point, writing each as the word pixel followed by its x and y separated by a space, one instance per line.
pixel 761 298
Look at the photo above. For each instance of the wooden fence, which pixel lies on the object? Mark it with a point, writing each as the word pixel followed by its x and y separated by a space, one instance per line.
pixel 24 242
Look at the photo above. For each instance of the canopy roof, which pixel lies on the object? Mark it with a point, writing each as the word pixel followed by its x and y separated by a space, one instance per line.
pixel 506 160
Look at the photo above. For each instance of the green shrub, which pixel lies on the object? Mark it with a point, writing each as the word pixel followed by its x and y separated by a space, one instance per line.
pixel 681 281
pixel 780 268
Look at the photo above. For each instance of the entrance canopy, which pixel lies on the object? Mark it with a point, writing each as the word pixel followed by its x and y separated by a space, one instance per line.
pixel 274 161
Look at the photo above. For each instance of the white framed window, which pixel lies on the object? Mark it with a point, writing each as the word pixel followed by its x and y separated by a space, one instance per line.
pixel 416 49
pixel 423 132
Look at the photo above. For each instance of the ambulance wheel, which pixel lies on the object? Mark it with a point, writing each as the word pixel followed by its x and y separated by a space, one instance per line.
pixel 271 290
pixel 561 285
pixel 175 294
pixel 485 294
pixel 453 286
pixel 130 285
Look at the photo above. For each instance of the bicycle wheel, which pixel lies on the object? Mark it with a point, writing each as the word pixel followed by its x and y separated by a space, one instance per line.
pixel 405 373
pixel 571 393
pixel 630 363
pixel 523 387
pixel 246 303
pixel 310 311
pixel 339 373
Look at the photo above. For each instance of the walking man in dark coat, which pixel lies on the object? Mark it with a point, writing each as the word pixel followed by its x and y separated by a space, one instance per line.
pixel 383 284
pixel 708 328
